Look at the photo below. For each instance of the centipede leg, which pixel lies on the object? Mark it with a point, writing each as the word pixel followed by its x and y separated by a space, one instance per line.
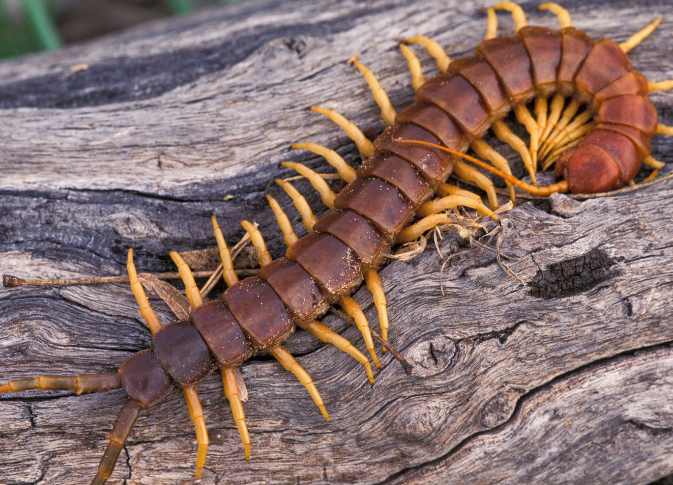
pixel 491 24
pixel 120 432
pixel 346 172
pixel 570 138
pixel 355 312
pixel 231 392
pixel 258 242
pixel 146 310
pixel 447 189
pixel 433 48
pixel 318 183
pixel 365 147
pixel 664 130
pixel 555 109
pixel 470 174
pixel 328 336
pixel 640 36
pixel 290 364
pixel 656 164
pixel 439 205
pixel 378 295
pixel 570 132
pixel 568 113
pixel 387 111
pixel 517 13
pixel 307 217
pixel 505 134
pixel 196 413
pixel 562 14
pixel 484 150
pixel 228 273
pixel 82 384
pixel 191 290
pixel 289 236
pixel 417 78
pixel 660 85
pixel 525 118
pixel 541 113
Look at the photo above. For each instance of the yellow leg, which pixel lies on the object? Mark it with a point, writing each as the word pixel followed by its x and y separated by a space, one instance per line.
pixel 378 295
pixel 526 119
pixel 468 173
pixel 413 232
pixel 556 154
pixel 656 164
pixel 568 113
pixel 438 205
pixel 434 49
pixel 289 237
pixel 491 25
pixel 664 130
pixel 300 203
pixel 417 79
pixel 258 242
pixel 365 146
pixel 564 134
pixel 191 290
pixel 355 312
pixel 231 391
pixel 229 275
pixel 196 413
pixel 541 111
pixel 555 110
pixel 139 292
pixel 380 96
pixel 505 134
pixel 517 13
pixel 326 335
pixel 660 85
pixel 316 181
pixel 561 13
pixel 346 172
pixel 638 37
pixel 571 137
pixel 290 364
pixel 447 189
pixel 484 150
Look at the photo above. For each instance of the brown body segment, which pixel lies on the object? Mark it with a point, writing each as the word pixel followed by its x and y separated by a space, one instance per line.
pixel 143 378
pixel 436 121
pixel 483 78
pixel 620 148
pixel 589 169
pixel 576 46
pixel 639 140
pixel 633 111
pixel 296 288
pixel 456 96
pixel 182 353
pixel 544 48
pixel 222 333
pixel 332 264
pixel 358 233
pixel 510 60
pixel 259 311
pixel 400 173
pixel 630 83
pixel 605 63
pixel 379 202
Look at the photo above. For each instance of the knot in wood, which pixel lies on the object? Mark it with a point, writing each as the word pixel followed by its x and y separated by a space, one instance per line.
pixel 431 354
pixel 420 418
pixel 499 408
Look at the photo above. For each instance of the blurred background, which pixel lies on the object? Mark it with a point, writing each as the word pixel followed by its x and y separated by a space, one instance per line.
pixel 36 25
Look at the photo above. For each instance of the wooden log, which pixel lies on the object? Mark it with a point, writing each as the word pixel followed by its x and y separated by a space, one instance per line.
pixel 562 374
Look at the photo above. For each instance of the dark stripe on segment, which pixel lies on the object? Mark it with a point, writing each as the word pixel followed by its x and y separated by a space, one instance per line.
pixel 222 333
pixel 576 46
pixel 182 353
pixel 400 173
pixel 143 379
pixel 484 79
pixel 544 48
pixel 605 63
pixel 455 95
pixel 510 60
pixel 633 111
pixel 296 289
pixel 332 264
pixel 436 121
pixel 358 233
pixel 259 311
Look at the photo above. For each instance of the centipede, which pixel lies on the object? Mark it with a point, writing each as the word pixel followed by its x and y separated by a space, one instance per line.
pixel 592 122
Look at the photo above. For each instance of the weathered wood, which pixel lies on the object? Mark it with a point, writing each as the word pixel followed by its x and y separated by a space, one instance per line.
pixel 564 379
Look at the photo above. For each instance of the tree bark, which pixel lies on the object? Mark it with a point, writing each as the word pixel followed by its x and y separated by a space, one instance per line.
pixel 561 374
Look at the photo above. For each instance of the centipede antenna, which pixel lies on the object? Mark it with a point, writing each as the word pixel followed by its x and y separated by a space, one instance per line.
pixel 120 432
pixel 375 287
pixel 664 130
pixel 365 147
pixel 471 174
pixel 387 111
pixel 191 290
pixel 318 183
pixel 484 150
pixel 346 172
pixel 434 49
pixel 289 237
pixel 548 190
pixel 491 24
pixel 504 134
pixel 146 310
pixel 228 272
pixel 439 205
pixel 659 85
pixel 354 311
pixel 526 119
pixel 417 79
pixel 326 335
pixel 290 364
pixel 562 14
pixel 307 217
pixel 516 11
pixel 638 37
pixel 555 109
pixel 82 384
pixel 231 392
pixel 196 413
pixel 447 189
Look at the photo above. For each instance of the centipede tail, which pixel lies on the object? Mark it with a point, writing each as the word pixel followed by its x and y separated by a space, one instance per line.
pixel 592 122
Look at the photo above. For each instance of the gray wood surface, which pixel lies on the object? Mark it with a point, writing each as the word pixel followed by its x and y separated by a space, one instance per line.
pixel 565 378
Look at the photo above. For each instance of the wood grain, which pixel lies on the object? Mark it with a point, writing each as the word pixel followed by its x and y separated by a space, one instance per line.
pixel 564 379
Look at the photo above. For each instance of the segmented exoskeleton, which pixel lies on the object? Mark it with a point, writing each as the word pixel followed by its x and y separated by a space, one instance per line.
pixel 596 151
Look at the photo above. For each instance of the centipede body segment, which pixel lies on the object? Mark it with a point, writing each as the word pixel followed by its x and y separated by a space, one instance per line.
pixel 562 72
